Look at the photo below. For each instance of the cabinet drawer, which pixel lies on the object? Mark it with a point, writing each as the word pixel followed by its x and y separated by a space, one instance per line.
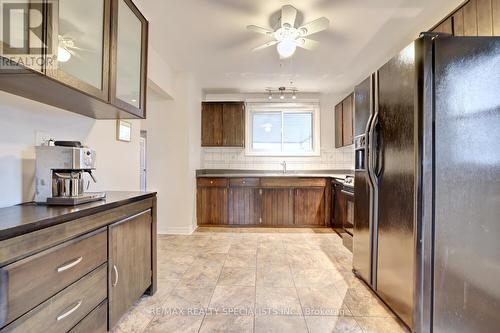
pixel 245 182
pixel 95 322
pixel 31 281
pixel 293 182
pixel 212 182
pixel 64 310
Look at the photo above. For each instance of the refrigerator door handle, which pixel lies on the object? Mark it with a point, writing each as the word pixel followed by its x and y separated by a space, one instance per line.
pixel 371 150
pixel 379 154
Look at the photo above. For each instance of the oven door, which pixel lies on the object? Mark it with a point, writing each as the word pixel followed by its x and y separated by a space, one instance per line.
pixel 349 211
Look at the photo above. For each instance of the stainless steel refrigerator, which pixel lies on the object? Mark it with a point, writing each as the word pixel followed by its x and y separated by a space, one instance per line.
pixel 427 209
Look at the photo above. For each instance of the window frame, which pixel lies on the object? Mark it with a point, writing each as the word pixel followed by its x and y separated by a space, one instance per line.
pixel 299 107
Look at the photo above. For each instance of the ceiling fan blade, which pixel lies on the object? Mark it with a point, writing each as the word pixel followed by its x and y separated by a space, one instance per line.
pixel 307 43
pixel 271 43
pixel 314 27
pixel 288 15
pixel 260 30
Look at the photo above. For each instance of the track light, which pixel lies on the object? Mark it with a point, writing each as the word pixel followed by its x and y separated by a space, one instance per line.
pixel 282 91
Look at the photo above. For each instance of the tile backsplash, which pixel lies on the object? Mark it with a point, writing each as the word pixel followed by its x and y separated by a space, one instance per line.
pixel 235 158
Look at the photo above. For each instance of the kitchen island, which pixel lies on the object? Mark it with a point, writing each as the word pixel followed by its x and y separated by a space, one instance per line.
pixel 266 198
pixel 76 268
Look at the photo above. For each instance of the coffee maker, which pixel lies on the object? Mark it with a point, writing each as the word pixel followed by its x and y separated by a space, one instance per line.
pixel 60 167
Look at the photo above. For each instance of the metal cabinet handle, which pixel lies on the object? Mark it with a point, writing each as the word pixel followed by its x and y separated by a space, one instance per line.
pixel 116 275
pixel 211 182
pixel 244 182
pixel 70 311
pixel 70 265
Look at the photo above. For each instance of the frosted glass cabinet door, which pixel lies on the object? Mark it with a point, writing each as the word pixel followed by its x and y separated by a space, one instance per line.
pixel 79 32
pixel 129 57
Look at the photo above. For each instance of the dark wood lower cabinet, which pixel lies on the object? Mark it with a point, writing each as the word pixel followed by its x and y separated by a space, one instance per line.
pixel 266 201
pixel 309 206
pixel 212 205
pixel 339 209
pixel 277 207
pixel 244 206
pixel 130 262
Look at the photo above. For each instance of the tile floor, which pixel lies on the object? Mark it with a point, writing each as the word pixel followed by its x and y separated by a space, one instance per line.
pixel 258 280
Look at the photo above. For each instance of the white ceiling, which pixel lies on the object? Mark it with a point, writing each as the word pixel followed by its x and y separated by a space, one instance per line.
pixel 209 39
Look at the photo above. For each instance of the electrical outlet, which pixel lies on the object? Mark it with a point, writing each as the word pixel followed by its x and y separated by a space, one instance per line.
pixel 41 138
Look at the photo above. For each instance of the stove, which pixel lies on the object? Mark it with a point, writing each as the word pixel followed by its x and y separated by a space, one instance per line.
pixel 349 181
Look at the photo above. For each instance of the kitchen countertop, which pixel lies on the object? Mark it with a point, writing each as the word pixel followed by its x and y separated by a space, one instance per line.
pixel 25 218
pixel 337 174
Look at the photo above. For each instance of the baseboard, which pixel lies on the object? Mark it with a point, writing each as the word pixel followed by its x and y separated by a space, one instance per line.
pixel 177 231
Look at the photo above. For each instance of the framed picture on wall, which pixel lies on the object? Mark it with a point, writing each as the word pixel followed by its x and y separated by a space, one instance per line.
pixel 123 130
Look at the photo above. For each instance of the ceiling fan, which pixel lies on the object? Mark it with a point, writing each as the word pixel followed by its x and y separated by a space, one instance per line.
pixel 287 37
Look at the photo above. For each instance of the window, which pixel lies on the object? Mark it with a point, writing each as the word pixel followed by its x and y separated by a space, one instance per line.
pixel 283 129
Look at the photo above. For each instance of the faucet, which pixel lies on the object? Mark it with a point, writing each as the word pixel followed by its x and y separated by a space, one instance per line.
pixel 283 164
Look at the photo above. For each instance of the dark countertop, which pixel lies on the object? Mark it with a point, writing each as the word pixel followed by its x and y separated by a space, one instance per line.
pixel 24 218
pixel 338 174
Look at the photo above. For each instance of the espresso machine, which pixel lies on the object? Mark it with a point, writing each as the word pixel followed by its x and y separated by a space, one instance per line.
pixel 60 167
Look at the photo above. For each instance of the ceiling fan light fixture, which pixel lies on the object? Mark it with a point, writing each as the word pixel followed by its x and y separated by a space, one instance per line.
pixel 286 48
pixel 63 55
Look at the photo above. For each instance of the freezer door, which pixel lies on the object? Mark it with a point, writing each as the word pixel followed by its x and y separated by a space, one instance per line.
pixel 363 192
pixel 467 185
pixel 394 166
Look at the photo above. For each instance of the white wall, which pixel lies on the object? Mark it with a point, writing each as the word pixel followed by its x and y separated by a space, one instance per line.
pixel 330 157
pixel 173 153
pixel 20 118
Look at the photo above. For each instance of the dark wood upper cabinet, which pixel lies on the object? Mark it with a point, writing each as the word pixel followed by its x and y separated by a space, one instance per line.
pixel 446 26
pixel 339 136
pixel 344 122
pixel 233 124
pixel 93 64
pixel 223 124
pixel 130 271
pixel 211 124
pixel 473 18
pixel 129 47
pixel 347 120
pixel 495 8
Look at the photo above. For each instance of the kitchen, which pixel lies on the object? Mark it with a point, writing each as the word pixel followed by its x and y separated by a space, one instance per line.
pixel 320 175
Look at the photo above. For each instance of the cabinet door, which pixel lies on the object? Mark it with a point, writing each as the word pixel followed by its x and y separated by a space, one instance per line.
pixel 470 18
pixel 484 18
pixel 211 124
pixel 338 207
pixel 309 206
pixel 495 8
pixel 277 207
pixel 79 35
pixel 130 267
pixel 458 22
pixel 338 126
pixel 446 26
pixel 347 122
pixel 212 205
pixel 233 120
pixel 244 206
pixel 129 40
